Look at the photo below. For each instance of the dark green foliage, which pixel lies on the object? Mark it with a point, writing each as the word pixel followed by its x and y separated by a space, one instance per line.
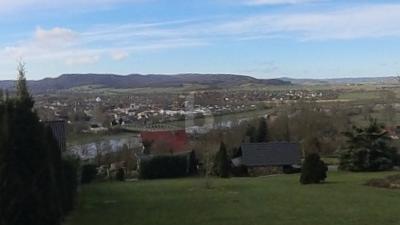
pixel 164 166
pixel 22 89
pixel 89 172
pixel 222 164
pixel 259 134
pixel 147 147
pixel 70 184
pixel 236 152
pixel 32 184
pixel 238 171
pixel 251 134
pixel 120 176
pixel 262 131
pixel 193 163
pixel 313 170
pixel 290 170
pixel 28 173
pixel 368 149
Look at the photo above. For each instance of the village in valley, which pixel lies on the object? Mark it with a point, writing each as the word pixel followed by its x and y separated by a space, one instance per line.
pixel 285 133
pixel 116 130
pixel 209 112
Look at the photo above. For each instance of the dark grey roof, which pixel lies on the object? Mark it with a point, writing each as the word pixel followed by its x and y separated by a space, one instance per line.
pixel 270 154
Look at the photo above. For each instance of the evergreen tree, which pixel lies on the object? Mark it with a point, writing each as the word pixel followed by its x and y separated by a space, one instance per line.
pixel 120 176
pixel 262 131
pixel 241 170
pixel 193 163
pixel 313 170
pixel 237 152
pixel 222 163
pixel 22 87
pixel 31 184
pixel 251 134
pixel 1 96
pixel 70 166
pixel 368 149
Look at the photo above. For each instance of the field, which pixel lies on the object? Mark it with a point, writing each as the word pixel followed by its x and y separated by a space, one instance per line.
pixel 239 201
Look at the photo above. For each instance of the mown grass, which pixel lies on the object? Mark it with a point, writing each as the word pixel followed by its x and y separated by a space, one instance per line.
pixel 240 201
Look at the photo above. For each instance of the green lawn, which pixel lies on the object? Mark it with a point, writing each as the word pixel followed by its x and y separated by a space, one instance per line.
pixel 246 201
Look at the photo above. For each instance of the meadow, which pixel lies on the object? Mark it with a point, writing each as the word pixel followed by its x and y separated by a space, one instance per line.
pixel 273 200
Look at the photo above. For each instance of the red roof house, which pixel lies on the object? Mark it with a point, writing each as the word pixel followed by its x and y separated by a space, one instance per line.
pixel 174 141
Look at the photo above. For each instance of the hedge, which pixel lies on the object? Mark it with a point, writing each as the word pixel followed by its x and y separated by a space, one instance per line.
pixel 164 166
pixel 89 172
pixel 70 183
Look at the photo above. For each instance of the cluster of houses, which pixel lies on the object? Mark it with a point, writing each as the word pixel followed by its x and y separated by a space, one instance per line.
pixel 153 108
pixel 253 155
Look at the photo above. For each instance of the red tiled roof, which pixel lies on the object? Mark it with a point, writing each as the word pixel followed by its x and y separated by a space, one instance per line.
pixel 175 140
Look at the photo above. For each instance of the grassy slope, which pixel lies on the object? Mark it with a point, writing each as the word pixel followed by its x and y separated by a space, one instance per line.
pixel 271 200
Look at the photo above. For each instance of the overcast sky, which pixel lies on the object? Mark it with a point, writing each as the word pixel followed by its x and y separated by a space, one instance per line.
pixel 263 38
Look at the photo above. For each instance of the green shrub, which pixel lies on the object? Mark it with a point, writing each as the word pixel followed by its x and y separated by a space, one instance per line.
pixel 194 162
pixel 222 164
pixel 120 176
pixel 313 170
pixel 240 171
pixel 70 169
pixel 368 149
pixel 164 166
pixel 89 173
pixel 290 170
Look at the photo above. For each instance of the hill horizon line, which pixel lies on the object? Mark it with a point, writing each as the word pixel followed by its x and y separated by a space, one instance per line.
pixel 214 74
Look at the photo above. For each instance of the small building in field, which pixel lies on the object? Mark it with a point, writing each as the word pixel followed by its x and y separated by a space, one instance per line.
pixel 274 154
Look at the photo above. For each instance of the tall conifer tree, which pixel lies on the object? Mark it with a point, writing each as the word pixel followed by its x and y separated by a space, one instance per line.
pixel 262 131
pixel 222 164
pixel 29 189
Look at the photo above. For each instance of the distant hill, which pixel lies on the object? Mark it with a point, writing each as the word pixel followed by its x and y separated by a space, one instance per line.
pixel 356 80
pixel 67 81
